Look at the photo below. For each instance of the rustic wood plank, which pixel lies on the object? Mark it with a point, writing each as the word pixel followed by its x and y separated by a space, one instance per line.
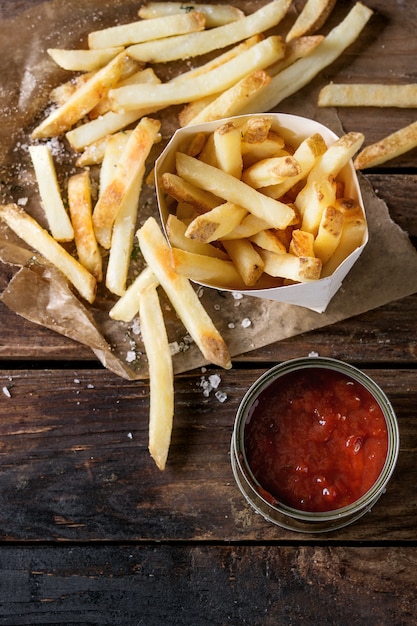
pixel 75 464
pixel 216 585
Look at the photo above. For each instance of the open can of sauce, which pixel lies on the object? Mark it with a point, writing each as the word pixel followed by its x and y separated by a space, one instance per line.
pixel 314 445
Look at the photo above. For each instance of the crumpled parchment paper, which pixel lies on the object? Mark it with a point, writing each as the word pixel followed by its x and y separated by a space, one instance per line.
pixel 39 293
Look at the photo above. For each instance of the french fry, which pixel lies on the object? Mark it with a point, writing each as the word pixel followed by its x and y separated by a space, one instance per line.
pixel 140 77
pixel 248 262
pixel 390 147
pixel 83 60
pixel 62 92
pixel 131 163
pixel 301 72
pixel 302 243
pixel 184 299
pixel 329 233
pixel 218 60
pixel 311 18
pixel 30 231
pixel 58 219
pixel 215 14
pixel 216 223
pixel 320 194
pixel 271 171
pixel 125 223
pixel 294 50
pixel 256 129
pixel 161 377
pixel 209 178
pixel 195 44
pixel 249 226
pixel 319 189
pixel 306 156
pixel 295 268
pixel 82 100
pixel 273 145
pixel 206 269
pixel 80 208
pixel 147 30
pixel 127 307
pixel 86 134
pixel 227 146
pixel 229 102
pixel 268 239
pixel 93 154
pixel 257 57
pixel 353 234
pixel 183 191
pixel 368 95
pixel 176 229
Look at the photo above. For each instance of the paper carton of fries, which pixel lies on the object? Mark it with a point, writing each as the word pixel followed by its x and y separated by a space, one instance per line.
pixel 268 205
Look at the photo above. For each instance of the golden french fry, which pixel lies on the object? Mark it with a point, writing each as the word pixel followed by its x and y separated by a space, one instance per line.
pixel 216 223
pixel 140 77
pixel 95 130
pixel 311 18
pixel 62 92
pixel 296 268
pixel 50 194
pixel 390 147
pixel 83 60
pixel 82 100
pixel 256 129
pixel 319 189
pixel 183 191
pixel 125 223
pixel 301 72
pixel 306 156
pixel 257 57
pixel 175 230
pixel 161 376
pixel 206 269
pixel 210 178
pixel 302 243
pixel 320 194
pixel 218 60
pixel 273 145
pixel 329 233
pixel 93 154
pixel 147 30
pixel 248 262
pixel 249 226
pixel 215 14
pixel 80 208
pixel 127 306
pixel 195 44
pixel 131 163
pixel 268 239
pixel 295 49
pixel 229 102
pixel 368 95
pixel 157 254
pixel 38 238
pixel 227 146
pixel 353 234
pixel 271 171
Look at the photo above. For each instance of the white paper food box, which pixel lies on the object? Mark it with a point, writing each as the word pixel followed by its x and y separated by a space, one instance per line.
pixel 314 295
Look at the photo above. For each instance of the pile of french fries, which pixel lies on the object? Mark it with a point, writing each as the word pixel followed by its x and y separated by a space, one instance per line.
pixel 108 113
pixel 250 210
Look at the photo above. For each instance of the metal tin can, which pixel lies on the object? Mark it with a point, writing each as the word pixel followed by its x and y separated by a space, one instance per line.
pixel 280 513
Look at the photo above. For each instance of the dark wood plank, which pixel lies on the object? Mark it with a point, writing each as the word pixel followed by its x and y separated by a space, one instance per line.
pixel 75 464
pixel 199 585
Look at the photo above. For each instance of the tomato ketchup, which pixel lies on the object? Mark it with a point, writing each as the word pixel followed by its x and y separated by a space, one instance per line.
pixel 315 440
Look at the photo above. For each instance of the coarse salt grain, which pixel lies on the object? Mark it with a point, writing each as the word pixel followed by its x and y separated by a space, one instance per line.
pixel 130 356
pixel 6 392
pixel 246 322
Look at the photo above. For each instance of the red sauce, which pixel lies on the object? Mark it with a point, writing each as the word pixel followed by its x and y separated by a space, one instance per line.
pixel 315 440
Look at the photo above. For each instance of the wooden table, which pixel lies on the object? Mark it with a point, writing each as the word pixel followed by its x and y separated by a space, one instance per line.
pixel 92 533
